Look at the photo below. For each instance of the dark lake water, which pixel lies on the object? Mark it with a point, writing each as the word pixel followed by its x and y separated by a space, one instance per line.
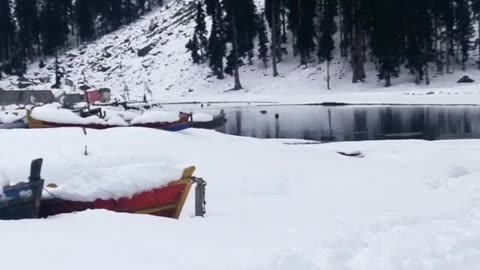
pixel 354 123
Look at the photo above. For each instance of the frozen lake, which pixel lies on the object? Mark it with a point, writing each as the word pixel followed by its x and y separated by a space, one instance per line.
pixel 354 123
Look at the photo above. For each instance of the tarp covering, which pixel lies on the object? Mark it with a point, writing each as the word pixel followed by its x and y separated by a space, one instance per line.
pixel 26 97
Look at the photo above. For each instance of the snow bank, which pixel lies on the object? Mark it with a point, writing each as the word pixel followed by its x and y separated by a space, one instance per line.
pixel 202 117
pixel 116 121
pixel 155 117
pixel 405 205
pixel 94 120
pixel 125 115
pixel 117 182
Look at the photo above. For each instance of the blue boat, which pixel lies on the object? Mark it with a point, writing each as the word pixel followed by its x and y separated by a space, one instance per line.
pixel 22 201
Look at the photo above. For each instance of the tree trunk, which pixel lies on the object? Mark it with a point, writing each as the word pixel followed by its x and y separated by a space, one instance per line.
pixel 448 56
pixel 427 74
pixel 238 85
pixel 284 25
pixel 341 29
pixel 274 41
pixel 328 74
pixel 387 80
pixel 479 40
pixel 357 43
pixel 417 76
pixel 319 19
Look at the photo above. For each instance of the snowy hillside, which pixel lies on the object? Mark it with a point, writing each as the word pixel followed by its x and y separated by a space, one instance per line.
pixel 409 205
pixel 151 52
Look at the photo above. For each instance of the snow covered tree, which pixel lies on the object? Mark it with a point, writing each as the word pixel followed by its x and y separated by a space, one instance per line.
pixel 262 39
pixel 201 30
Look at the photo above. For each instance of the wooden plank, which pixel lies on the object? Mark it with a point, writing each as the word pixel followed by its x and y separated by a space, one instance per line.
pixel 156 209
pixel 186 179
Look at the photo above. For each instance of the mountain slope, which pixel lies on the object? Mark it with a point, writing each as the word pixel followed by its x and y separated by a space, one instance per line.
pixel 151 53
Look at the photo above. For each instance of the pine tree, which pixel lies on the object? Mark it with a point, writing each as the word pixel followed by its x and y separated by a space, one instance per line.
pixel 211 6
pixel 7 32
pixel 262 39
pixel 232 9
pixel 193 47
pixel 293 19
pixel 476 12
pixel 272 15
pixel 54 25
pixel 26 12
pixel 141 6
pixel 357 36
pixel 129 11
pixel 327 30
pixel 201 30
pixel 419 31
pixel 216 43
pixel 306 30
pixel 84 10
pixel 386 38
pixel 464 29
pixel 447 15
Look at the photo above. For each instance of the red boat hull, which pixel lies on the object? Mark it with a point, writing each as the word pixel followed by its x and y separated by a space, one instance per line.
pixel 166 201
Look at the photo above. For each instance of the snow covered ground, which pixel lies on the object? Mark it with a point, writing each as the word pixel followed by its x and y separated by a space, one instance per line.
pixel 405 205
pixel 151 52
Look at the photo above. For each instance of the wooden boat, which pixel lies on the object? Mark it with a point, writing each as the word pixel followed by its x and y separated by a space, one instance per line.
pixel 181 124
pixel 22 201
pixel 218 121
pixel 165 201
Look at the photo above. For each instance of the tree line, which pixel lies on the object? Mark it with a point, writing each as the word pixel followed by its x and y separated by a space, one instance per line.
pixel 35 28
pixel 413 35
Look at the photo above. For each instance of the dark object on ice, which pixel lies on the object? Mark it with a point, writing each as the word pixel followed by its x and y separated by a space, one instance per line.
pixel 466 79
pixel 263 112
pixel 22 201
pixel 356 154
pixel 277 116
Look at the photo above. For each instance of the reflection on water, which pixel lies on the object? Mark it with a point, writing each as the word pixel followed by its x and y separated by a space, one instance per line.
pixel 354 123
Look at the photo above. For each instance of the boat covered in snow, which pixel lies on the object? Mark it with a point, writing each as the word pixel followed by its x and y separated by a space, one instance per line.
pixel 22 201
pixel 51 117
pixel 119 190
